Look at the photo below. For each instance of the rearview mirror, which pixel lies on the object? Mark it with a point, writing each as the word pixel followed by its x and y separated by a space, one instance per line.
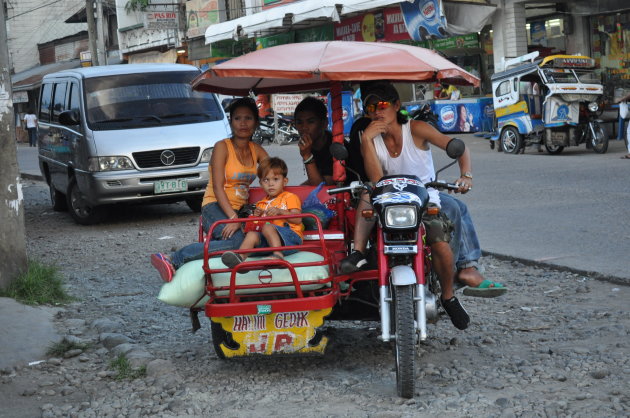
pixel 69 117
pixel 455 148
pixel 339 151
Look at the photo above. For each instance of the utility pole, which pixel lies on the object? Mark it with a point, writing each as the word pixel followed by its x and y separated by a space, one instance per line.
pixel 89 11
pixel 12 235
pixel 100 31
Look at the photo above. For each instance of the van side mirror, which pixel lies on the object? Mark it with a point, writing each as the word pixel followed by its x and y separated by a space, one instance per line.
pixel 70 117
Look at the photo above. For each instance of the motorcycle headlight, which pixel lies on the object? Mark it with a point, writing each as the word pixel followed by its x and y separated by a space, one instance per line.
pixel 113 163
pixel 593 106
pixel 401 216
pixel 206 155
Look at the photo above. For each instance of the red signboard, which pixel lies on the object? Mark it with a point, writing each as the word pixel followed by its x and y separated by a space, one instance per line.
pixel 387 25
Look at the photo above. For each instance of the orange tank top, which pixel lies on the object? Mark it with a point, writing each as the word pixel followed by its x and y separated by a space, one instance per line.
pixel 237 178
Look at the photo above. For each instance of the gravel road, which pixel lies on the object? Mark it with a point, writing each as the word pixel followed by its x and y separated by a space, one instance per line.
pixel 555 345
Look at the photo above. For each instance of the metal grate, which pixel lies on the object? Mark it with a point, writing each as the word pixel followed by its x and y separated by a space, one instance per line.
pixel 150 159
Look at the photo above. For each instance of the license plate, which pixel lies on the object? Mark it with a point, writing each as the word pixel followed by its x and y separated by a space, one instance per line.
pixel 170 186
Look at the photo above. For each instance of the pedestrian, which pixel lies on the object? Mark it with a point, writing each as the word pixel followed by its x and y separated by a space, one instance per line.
pixel 624 113
pixel 30 119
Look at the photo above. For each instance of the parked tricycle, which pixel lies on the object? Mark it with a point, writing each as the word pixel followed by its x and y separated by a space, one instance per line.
pixel 277 307
pixel 553 102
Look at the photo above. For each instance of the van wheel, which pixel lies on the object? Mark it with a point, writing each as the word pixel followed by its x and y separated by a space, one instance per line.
pixel 194 203
pixel 57 199
pixel 81 211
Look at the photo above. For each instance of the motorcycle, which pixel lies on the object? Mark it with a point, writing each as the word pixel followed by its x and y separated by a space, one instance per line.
pixel 408 286
pixel 284 134
pixel 267 307
pixel 425 114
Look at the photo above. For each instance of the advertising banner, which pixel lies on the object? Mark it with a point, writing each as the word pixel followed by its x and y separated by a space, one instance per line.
pixel 387 25
pixel 273 40
pixel 464 116
pixel 347 111
pixel 464 41
pixel 538 33
pixel 160 20
pixel 316 34
pixel 286 103
pixel 199 15
pixel 424 19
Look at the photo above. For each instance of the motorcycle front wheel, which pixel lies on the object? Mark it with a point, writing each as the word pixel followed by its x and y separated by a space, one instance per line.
pixel 405 343
pixel 600 142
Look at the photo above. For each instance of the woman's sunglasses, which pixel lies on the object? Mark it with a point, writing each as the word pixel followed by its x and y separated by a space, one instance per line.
pixel 373 107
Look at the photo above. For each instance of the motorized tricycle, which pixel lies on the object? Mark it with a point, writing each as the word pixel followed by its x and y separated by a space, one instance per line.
pixel 276 307
pixel 270 306
pixel 552 102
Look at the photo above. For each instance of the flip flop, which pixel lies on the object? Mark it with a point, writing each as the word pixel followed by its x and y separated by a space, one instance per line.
pixel 486 289
pixel 164 266
pixel 231 259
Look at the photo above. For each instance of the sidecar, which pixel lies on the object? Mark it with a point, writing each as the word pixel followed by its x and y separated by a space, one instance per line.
pixel 267 306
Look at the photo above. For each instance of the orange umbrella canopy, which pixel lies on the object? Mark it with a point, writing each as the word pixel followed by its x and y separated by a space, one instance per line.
pixel 316 65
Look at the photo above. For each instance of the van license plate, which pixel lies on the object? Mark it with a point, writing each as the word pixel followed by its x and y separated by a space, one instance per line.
pixel 170 186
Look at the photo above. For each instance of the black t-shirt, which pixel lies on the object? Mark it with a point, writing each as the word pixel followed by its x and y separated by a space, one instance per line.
pixel 323 157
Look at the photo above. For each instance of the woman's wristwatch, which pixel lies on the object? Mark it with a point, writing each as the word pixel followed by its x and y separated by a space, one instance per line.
pixel 467 175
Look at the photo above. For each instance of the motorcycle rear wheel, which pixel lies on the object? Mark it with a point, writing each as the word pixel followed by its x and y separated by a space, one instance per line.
pixel 405 343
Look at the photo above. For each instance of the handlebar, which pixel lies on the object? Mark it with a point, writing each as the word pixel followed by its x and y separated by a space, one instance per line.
pixel 442 185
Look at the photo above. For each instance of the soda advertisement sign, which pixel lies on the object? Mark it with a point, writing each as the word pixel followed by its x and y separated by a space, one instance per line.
pixel 424 19
pixel 387 26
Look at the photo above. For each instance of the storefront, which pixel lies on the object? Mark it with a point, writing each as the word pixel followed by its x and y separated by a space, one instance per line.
pixel 610 41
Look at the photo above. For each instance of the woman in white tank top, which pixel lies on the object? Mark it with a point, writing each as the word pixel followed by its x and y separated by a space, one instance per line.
pixel 392 145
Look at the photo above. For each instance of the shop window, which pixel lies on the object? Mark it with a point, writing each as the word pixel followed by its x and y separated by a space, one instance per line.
pixel 44 108
pixel 503 88
pixel 59 100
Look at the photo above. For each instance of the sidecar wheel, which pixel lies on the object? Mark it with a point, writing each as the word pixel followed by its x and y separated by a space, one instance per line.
pixel 405 343
pixel 511 140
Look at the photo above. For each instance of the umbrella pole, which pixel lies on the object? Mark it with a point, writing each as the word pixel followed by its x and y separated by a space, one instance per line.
pixel 339 172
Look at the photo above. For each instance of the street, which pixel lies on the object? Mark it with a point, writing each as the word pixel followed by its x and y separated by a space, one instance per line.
pixel 554 345
pixel 567 210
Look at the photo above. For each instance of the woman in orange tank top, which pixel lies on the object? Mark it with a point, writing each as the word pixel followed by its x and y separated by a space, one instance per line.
pixel 232 169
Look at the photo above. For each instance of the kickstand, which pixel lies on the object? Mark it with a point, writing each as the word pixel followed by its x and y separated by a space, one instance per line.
pixel 194 318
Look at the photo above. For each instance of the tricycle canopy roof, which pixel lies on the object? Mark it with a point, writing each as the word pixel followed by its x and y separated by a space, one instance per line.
pixel 311 66
pixel 520 70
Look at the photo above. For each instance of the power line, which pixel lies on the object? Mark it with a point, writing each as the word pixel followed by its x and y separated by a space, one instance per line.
pixel 32 10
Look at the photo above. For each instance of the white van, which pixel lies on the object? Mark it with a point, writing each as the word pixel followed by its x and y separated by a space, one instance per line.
pixel 126 133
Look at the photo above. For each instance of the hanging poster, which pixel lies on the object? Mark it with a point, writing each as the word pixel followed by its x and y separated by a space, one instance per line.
pixel 387 25
pixel 424 19
pixel 538 33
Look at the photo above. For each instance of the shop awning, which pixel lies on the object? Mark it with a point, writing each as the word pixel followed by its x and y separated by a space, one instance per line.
pixel 282 18
pixel 32 78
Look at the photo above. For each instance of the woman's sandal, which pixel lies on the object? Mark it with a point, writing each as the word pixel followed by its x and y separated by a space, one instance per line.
pixel 626 157
pixel 486 289
pixel 163 265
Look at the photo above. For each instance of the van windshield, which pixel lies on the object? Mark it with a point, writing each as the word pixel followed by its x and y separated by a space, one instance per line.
pixel 130 101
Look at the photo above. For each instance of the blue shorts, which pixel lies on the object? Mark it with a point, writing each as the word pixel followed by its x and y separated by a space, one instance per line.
pixel 287 236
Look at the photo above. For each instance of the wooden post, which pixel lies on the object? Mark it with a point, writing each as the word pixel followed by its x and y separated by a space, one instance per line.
pixel 12 235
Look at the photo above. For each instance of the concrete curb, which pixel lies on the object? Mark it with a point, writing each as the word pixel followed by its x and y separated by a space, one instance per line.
pixel 597 276
pixel 27 176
